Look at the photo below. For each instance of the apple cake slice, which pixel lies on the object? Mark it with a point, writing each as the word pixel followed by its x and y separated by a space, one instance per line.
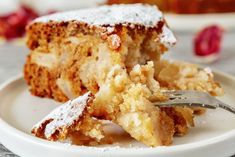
pixel 113 52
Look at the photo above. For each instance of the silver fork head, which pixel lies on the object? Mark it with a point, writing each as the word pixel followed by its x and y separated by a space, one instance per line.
pixel 193 98
pixel 190 97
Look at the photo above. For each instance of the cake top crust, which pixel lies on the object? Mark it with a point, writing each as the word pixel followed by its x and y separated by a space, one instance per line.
pixel 129 14
pixel 109 16
pixel 64 115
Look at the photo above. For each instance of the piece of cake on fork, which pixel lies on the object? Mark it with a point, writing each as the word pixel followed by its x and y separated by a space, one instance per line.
pixel 114 52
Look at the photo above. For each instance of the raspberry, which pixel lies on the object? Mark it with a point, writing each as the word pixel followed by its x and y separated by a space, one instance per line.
pixel 208 41
pixel 13 25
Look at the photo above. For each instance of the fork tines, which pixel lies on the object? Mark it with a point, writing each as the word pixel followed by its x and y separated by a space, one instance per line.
pixel 193 98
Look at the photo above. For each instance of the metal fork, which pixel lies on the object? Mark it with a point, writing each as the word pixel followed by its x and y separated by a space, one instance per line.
pixel 193 98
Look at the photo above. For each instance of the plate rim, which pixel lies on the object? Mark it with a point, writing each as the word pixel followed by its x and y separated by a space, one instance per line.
pixel 6 127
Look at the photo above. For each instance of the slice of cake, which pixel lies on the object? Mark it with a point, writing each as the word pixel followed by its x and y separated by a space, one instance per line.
pixel 114 52
pixel 73 52
pixel 72 120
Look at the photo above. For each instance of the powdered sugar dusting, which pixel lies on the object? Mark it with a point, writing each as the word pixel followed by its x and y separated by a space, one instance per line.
pixel 65 115
pixel 139 14
pixel 167 36
pixel 109 16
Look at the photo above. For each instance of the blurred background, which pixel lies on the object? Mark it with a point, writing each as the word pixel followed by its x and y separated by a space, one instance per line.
pixel 205 30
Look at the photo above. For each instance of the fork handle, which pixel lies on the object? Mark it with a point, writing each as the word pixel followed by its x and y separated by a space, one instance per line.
pixel 227 107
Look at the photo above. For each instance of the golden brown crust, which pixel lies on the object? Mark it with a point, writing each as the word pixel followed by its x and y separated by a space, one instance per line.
pixel 167 128
pixel 42 82
pixel 41 33
pixel 180 124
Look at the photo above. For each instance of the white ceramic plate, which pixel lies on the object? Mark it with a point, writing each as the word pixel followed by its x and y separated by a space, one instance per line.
pixel 195 22
pixel 214 134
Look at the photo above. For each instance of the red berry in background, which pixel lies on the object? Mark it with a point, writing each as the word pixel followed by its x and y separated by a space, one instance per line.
pixel 13 24
pixel 208 41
